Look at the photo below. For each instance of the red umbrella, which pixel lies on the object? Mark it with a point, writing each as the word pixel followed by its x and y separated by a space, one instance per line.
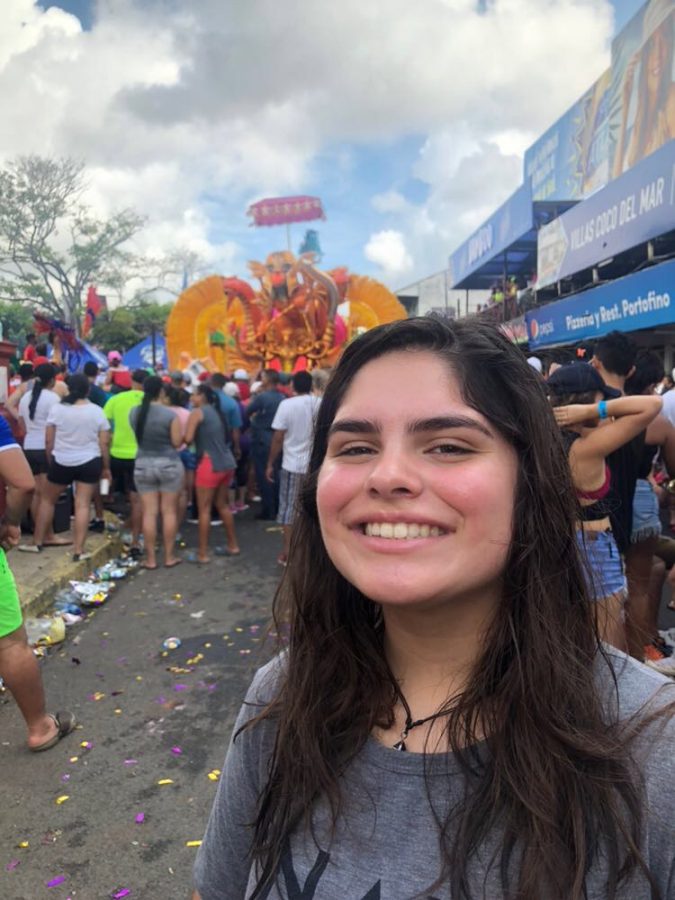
pixel 285 210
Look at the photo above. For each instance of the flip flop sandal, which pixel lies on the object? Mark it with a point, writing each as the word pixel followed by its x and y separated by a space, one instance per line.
pixel 65 723
pixel 192 557
pixel 30 548
pixel 225 551
pixel 81 557
pixel 172 565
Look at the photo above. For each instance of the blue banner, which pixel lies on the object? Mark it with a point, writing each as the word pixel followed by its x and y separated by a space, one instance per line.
pixel 510 222
pixel 642 300
pixel 140 356
pixel 632 209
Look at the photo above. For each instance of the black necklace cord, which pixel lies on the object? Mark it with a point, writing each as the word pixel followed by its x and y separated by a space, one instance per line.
pixel 410 723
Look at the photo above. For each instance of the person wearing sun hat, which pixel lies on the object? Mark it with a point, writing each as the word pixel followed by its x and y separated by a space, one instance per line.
pixel 595 420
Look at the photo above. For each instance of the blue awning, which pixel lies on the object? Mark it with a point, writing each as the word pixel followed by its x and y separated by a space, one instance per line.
pixel 505 245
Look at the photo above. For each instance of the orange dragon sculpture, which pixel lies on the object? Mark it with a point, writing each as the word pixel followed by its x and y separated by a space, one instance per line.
pixel 299 316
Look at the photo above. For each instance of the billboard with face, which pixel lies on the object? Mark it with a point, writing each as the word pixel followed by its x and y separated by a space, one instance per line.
pixel 624 117
pixel 643 88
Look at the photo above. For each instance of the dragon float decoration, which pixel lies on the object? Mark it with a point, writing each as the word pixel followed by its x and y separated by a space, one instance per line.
pixel 299 317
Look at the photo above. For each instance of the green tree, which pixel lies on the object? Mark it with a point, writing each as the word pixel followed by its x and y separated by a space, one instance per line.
pixel 125 326
pixel 17 321
pixel 51 246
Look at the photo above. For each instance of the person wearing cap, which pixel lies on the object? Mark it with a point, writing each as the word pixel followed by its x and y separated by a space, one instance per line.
pixel 595 420
pixel 124 448
pixel 118 377
pixel 241 379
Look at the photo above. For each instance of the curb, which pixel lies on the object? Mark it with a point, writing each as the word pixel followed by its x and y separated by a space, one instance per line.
pixel 37 597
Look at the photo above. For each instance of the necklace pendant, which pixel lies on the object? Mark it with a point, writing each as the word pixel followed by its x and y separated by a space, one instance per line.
pixel 400 746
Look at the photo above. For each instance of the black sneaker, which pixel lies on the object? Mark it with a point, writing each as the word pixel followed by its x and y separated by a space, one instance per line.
pixel 97 525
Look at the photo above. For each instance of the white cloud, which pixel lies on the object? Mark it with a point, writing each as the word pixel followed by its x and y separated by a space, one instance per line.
pixel 170 103
pixel 387 249
pixel 389 202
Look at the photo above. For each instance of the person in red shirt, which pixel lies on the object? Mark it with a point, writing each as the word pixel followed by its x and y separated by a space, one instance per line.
pixel 118 377
pixel 30 352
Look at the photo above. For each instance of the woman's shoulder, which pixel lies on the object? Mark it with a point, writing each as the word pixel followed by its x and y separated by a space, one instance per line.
pixel 630 689
pixel 267 682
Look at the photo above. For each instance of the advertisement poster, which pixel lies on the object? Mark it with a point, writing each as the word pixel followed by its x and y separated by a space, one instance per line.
pixel 642 116
pixel 571 160
pixel 625 116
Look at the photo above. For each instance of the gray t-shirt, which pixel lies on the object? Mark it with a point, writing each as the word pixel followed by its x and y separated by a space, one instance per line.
pixel 156 432
pixel 386 842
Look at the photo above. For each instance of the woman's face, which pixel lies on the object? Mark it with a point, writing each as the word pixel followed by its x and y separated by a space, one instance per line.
pixel 657 58
pixel 416 492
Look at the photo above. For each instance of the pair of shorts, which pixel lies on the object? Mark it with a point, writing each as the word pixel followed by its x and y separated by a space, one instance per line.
pixel 289 485
pixel 207 477
pixel 37 460
pixel 646 520
pixel 122 471
pixel 158 473
pixel 189 460
pixel 603 566
pixel 10 608
pixel 86 473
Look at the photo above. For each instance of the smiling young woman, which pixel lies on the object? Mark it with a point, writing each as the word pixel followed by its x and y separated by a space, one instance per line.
pixel 437 606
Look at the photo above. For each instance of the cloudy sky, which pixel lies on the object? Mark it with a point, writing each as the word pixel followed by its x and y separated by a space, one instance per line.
pixel 409 120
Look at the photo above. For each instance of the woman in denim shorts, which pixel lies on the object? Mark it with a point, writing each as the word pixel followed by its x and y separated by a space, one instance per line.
pixel 158 471
pixel 659 438
pixel 595 420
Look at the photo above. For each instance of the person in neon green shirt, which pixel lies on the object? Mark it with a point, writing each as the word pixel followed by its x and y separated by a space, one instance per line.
pixel 123 449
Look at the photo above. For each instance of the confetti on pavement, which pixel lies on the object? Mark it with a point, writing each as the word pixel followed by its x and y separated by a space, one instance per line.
pixel 62 799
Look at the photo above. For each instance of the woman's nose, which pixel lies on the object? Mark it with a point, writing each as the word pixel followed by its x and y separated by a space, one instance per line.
pixel 394 473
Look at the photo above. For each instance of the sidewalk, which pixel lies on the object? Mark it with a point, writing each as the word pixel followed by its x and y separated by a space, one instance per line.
pixel 40 575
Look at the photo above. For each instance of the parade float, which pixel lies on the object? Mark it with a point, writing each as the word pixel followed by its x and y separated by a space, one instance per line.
pixel 293 316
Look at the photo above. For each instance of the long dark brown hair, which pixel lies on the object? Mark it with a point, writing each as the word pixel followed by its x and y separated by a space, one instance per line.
pixel 557 783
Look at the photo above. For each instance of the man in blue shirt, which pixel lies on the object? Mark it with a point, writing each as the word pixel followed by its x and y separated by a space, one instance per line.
pixel 261 411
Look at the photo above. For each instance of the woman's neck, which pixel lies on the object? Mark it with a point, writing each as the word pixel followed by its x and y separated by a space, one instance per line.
pixel 431 652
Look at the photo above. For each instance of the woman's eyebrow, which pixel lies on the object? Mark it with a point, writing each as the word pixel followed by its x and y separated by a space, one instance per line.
pixel 442 423
pixel 437 423
pixel 354 426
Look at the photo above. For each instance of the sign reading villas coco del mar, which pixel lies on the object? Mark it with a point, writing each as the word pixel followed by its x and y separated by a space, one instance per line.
pixel 638 206
pixel 642 300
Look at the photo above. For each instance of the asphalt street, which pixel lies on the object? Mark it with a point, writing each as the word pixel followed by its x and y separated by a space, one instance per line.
pixel 114 806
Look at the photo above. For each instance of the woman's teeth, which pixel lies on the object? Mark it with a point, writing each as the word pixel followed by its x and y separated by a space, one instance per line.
pixel 401 531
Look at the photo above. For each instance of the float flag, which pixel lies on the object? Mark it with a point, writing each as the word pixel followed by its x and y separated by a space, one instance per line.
pixel 95 305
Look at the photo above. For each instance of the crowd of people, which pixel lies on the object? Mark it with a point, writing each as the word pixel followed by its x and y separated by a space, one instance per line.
pixel 173 447
pixel 612 403
pixel 159 449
